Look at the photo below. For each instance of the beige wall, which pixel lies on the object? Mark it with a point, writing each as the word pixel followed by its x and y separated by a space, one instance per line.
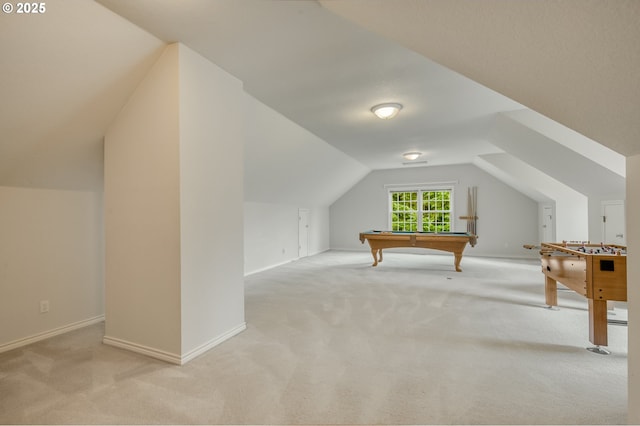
pixel 142 216
pixel 633 287
pixel 174 220
pixel 50 249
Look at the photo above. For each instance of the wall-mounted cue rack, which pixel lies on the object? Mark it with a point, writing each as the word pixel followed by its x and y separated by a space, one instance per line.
pixel 472 209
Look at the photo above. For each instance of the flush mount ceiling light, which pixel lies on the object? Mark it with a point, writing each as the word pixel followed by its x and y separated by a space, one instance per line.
pixel 386 111
pixel 411 155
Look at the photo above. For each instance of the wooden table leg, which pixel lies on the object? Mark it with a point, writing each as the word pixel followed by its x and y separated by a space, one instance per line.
pixel 456 260
pixel 551 291
pixel 598 322
pixel 377 256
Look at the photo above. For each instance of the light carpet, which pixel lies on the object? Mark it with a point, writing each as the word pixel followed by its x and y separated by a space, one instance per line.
pixel 331 340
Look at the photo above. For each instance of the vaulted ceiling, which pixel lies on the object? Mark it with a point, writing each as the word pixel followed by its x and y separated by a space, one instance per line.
pixel 574 61
pixel 456 66
pixel 325 73
pixel 65 74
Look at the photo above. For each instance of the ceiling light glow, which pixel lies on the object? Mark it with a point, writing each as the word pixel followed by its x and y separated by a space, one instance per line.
pixel 386 111
pixel 413 155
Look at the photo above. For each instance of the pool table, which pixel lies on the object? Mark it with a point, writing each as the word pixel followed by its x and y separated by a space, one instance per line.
pixel 453 242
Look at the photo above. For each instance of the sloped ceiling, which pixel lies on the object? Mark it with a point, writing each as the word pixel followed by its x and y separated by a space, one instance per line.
pixel 517 174
pixel 65 75
pixel 574 61
pixel 569 139
pixel 286 164
pixel 325 73
pixel 578 171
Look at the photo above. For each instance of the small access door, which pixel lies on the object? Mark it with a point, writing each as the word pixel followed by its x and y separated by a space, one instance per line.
pixel 613 226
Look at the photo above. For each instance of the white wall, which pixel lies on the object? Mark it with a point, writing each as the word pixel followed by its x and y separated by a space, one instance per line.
pixel 577 172
pixel 572 219
pixel 633 287
pixel 142 214
pixel 507 219
pixel 51 249
pixel 571 214
pixel 211 201
pixel 173 199
pixel 271 234
pixel 286 168
pixel 319 234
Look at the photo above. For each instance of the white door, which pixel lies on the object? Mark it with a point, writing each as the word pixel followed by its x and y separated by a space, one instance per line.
pixel 303 232
pixel 547 224
pixel 613 226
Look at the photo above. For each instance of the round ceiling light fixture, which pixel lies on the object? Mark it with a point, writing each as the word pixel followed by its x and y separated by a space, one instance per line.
pixel 413 155
pixel 386 111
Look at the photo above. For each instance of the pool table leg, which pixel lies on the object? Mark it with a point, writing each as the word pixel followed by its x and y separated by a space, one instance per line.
pixel 377 256
pixel 457 259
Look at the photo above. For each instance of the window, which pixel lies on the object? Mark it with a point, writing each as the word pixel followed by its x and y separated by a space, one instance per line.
pixel 436 211
pixel 404 211
pixel 421 210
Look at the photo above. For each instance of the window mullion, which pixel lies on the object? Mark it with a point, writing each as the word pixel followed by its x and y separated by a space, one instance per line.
pixel 420 210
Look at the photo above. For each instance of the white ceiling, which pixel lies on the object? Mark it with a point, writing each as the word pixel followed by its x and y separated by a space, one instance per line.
pixel 64 75
pixel 67 73
pixel 575 61
pixel 325 73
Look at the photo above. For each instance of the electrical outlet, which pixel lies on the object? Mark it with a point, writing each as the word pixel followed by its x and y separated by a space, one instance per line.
pixel 44 306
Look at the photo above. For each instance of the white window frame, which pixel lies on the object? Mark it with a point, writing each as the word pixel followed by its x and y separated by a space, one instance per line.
pixel 420 189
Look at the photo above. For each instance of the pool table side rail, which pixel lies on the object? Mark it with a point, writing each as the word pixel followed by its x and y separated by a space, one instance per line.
pixel 414 237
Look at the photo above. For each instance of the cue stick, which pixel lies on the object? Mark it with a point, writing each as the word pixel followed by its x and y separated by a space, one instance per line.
pixel 472 210
pixel 469 210
pixel 475 210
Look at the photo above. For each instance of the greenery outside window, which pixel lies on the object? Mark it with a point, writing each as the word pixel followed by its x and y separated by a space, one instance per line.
pixel 426 210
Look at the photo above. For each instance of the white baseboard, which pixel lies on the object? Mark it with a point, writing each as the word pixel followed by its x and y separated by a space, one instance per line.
pixel 215 342
pixel 275 265
pixel 168 356
pixel 50 333
pixel 141 349
pixel 316 252
pixel 266 268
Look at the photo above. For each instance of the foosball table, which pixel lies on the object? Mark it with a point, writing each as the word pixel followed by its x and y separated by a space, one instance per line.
pixel 596 271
